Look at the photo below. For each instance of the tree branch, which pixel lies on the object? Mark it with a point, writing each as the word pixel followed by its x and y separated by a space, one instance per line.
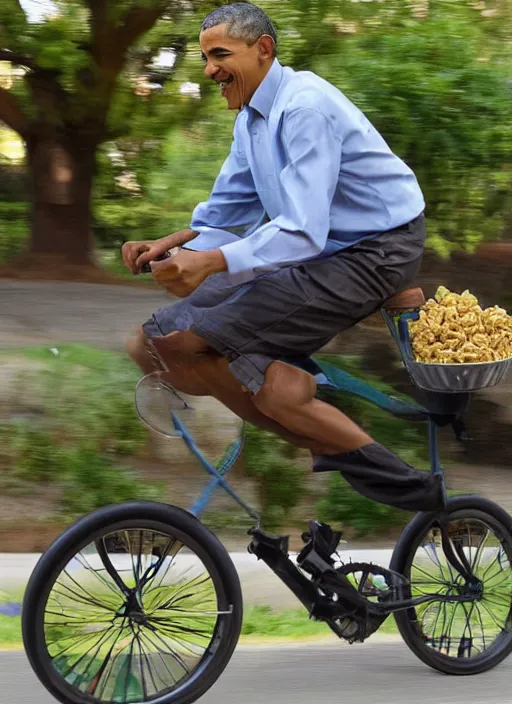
pixel 137 21
pixel 110 43
pixel 18 59
pixel 12 114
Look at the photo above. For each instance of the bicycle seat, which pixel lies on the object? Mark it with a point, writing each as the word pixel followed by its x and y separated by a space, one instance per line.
pixel 410 299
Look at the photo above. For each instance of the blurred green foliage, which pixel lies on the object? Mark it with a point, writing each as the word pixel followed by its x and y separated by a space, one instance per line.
pixel 279 480
pixel 434 77
pixel 75 427
pixel 438 88
pixel 14 229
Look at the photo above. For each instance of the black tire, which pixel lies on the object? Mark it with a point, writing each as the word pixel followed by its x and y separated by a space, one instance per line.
pixel 469 507
pixel 138 515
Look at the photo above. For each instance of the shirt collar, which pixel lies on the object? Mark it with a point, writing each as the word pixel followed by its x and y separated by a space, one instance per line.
pixel 265 94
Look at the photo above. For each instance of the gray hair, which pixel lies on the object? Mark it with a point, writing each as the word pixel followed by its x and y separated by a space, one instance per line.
pixel 245 21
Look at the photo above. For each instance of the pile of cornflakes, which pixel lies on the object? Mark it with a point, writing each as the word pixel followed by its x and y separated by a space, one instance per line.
pixel 453 328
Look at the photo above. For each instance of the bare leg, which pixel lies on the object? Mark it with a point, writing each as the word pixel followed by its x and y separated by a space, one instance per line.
pixel 190 368
pixel 286 404
pixel 288 397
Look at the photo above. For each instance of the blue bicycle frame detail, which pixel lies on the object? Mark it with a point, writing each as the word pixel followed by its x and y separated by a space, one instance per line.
pixel 327 375
pixel 340 380
pixel 226 463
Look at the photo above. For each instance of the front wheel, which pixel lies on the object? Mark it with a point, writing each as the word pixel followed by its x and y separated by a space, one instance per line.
pixel 473 633
pixel 136 602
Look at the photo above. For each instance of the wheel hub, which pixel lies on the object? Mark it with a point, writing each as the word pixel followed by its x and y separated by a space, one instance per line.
pixel 475 587
pixel 133 610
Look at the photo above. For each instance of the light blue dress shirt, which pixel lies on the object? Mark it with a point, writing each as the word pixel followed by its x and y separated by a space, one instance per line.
pixel 307 175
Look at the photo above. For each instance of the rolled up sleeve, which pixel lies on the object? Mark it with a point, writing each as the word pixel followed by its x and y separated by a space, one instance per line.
pixel 308 183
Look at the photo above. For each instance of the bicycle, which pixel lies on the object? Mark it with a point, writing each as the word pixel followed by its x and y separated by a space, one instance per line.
pixel 104 619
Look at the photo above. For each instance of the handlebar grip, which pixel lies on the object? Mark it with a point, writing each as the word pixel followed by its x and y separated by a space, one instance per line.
pixel 146 268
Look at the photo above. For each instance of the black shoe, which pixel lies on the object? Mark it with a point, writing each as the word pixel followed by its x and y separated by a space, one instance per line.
pixel 381 476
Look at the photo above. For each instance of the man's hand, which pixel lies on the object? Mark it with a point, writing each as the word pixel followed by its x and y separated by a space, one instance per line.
pixel 187 270
pixel 136 254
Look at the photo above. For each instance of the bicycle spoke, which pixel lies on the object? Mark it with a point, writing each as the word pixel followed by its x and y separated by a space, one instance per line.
pixel 500 626
pixel 142 655
pixel 85 564
pixel 136 644
pixel 128 672
pixel 437 560
pixel 437 581
pixel 479 551
pixel 84 598
pixel 146 579
pixel 477 607
pixel 109 664
pixel 173 655
pixel 463 628
pixel 84 655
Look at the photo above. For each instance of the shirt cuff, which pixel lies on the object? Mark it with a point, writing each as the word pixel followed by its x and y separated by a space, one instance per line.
pixel 210 238
pixel 241 261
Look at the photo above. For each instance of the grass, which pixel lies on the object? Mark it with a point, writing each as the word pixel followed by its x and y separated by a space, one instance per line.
pixel 10 631
pixel 290 624
pixel 75 426
pixel 260 623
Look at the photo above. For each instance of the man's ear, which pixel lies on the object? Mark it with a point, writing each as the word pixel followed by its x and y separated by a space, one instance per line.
pixel 266 47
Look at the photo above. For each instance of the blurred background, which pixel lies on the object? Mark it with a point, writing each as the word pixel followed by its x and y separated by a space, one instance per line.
pixel 109 132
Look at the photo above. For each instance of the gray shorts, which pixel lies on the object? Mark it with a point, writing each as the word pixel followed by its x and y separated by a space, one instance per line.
pixel 291 313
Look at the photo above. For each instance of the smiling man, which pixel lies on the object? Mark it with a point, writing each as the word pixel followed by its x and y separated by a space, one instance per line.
pixel 312 224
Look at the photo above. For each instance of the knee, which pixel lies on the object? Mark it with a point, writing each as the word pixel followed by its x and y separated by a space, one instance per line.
pixel 285 389
pixel 136 345
pixel 185 345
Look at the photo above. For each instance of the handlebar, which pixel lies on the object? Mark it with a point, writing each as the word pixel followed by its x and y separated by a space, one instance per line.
pixel 146 268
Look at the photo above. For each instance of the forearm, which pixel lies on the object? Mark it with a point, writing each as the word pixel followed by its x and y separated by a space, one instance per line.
pixel 178 239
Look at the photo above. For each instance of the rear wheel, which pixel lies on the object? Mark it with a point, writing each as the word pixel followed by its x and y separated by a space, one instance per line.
pixel 469 636
pixel 137 602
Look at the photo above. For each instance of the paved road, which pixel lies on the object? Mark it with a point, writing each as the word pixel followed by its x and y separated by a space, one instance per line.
pixel 37 312
pixel 371 674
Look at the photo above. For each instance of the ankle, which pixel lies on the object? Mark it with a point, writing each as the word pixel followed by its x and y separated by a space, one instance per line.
pixel 330 450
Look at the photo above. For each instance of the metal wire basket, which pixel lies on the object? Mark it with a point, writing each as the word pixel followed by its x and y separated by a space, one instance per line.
pixel 445 378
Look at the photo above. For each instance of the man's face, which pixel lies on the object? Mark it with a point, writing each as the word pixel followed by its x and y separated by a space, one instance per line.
pixel 237 67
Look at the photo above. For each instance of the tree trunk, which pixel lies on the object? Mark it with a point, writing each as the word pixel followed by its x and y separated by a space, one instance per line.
pixel 62 177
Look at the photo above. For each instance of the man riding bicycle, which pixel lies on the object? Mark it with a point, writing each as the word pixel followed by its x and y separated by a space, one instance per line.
pixel 312 225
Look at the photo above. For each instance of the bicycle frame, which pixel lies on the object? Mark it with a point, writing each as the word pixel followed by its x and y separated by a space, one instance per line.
pixel 327 376
pixel 273 550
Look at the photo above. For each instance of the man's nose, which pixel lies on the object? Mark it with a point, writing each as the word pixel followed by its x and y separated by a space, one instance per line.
pixel 211 70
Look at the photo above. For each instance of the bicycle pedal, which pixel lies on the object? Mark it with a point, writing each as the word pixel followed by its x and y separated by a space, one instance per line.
pixel 276 542
pixel 323 538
